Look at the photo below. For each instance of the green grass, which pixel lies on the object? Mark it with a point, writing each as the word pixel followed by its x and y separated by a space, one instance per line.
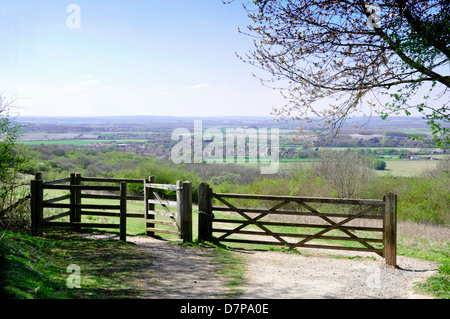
pixel 39 265
pixel 430 249
pixel 407 167
pixel 438 285
pixel 37 268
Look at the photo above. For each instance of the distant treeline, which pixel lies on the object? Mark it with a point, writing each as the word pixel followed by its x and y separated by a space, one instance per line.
pixel 422 198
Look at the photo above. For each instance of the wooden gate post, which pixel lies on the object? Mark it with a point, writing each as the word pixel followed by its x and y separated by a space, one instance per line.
pixel 148 194
pixel 123 211
pixel 73 198
pixel 205 216
pixel 186 212
pixel 179 194
pixel 77 215
pixel 390 229
pixel 37 212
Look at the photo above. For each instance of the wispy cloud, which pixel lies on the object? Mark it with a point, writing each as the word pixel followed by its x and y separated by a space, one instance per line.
pixel 90 82
pixel 198 86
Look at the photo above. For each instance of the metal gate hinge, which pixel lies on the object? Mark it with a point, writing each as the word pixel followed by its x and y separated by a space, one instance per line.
pixel 174 188
pixel 206 213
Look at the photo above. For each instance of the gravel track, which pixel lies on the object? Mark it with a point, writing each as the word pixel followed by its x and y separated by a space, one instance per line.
pixel 189 272
pixel 287 276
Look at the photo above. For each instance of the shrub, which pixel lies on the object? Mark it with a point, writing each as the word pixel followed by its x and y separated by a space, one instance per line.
pixel 346 172
pixel 378 165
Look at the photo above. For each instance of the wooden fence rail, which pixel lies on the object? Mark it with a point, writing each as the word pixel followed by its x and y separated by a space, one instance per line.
pixel 75 208
pixel 263 228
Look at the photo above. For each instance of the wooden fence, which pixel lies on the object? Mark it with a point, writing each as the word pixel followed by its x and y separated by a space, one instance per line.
pixel 75 208
pixel 383 211
pixel 263 222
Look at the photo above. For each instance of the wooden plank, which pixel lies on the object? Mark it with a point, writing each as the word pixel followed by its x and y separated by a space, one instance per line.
pixel 81 206
pixel 296 213
pixel 58 216
pixel 90 225
pixel 58 181
pixel 289 224
pixel 372 250
pixel 162 202
pixel 114 197
pixel 135 198
pixel 158 198
pixel 390 230
pixel 154 213
pixel 347 201
pixel 56 199
pixel 252 221
pixel 260 233
pixel 148 195
pixel 165 231
pixel 77 200
pixel 333 226
pixel 179 206
pixel 111 214
pixel 100 196
pixel 162 186
pixel 37 214
pixel 163 222
pixel 100 213
pixel 112 180
pixel 123 211
pixel 73 198
pixel 332 222
pixel 274 243
pixel 274 208
pixel 83 187
pixel 135 215
pixel 205 216
pixel 186 212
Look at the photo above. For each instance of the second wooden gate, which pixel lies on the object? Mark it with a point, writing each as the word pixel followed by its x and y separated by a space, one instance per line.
pixel 164 220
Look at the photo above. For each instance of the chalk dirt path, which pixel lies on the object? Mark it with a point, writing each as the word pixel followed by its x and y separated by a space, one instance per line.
pixel 317 276
pixel 189 272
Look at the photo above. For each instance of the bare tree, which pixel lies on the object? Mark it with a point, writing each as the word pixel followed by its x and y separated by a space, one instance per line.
pixel 352 53
pixel 347 172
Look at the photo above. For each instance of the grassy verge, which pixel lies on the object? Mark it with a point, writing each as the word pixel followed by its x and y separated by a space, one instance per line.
pixel 45 268
pixel 433 250
pixel 439 285
pixel 40 268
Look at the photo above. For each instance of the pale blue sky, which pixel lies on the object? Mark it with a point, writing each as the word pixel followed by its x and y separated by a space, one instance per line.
pixel 129 57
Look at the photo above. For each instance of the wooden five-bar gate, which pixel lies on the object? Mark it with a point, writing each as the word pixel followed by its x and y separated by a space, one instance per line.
pixel 257 226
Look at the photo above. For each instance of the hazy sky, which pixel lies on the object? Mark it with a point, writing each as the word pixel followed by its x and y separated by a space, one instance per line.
pixel 129 57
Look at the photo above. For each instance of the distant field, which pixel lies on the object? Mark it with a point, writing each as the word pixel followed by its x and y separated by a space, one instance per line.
pixel 407 167
pixel 79 142
pixel 395 167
